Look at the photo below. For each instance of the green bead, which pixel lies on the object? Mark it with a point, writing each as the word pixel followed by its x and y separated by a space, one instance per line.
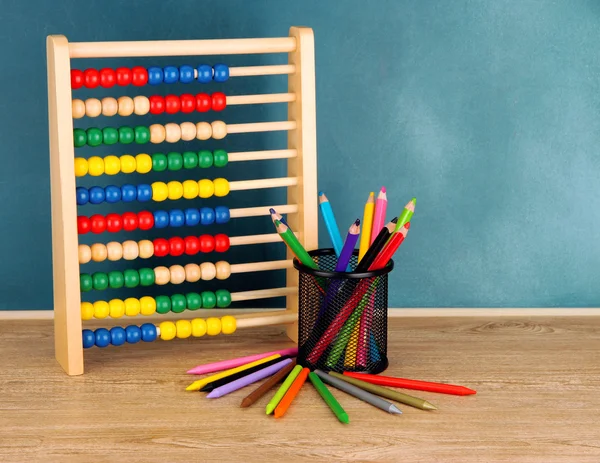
pixel 178 303
pixel 190 160
pixel 142 134
pixel 146 276
pixel 94 136
pixel 132 278
pixel 110 135
pixel 205 159
pixel 223 298
pixel 163 304
pixel 126 135
pixel 159 162
pixel 209 300
pixel 116 279
pixel 221 158
pixel 79 138
pixel 175 161
pixel 194 301
pixel 100 280
pixel 85 282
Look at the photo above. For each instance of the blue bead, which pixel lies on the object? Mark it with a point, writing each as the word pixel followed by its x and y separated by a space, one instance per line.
pixel 113 194
pixel 161 219
pixel 176 218
pixel 186 74
pixel 133 334
pixel 83 195
pixel 102 336
pixel 117 336
pixel 221 72
pixel 222 213
pixel 207 216
pixel 144 193
pixel 192 217
pixel 155 75
pixel 88 338
pixel 205 73
pixel 171 74
pixel 97 195
pixel 148 332
pixel 128 193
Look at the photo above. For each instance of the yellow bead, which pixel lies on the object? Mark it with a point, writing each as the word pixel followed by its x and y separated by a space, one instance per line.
pixel 117 308
pixel 147 305
pixel 128 164
pixel 157 133
pixel 125 105
pixel 146 249
pixel 190 189
pixel 183 328
pixel 101 309
pixel 198 327
pixel 99 252
pixel 81 167
pixel 221 187
pixel 160 191
pixel 132 307
pixel 95 166
pixel 167 330
pixel 143 163
pixel 112 165
pixel 206 188
pixel 213 326
pixel 87 311
pixel 175 190
pixel 228 324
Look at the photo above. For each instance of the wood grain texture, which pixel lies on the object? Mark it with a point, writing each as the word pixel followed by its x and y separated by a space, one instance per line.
pixel 537 381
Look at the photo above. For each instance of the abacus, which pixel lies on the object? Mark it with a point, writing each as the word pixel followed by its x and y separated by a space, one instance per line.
pixel 69 199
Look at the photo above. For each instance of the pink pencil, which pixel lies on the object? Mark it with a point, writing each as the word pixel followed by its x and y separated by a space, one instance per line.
pixel 227 364
pixel 379 216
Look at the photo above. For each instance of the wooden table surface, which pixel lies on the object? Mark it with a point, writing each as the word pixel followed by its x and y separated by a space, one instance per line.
pixel 538 383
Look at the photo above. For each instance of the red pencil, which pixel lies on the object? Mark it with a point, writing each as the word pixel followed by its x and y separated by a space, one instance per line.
pixel 412 384
pixel 390 248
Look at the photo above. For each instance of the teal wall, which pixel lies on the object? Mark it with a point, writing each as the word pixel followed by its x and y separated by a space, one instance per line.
pixel 487 112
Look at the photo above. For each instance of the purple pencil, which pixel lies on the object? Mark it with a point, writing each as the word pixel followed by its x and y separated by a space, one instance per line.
pixel 247 380
pixel 349 245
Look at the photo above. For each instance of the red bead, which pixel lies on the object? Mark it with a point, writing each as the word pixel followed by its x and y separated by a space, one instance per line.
pixel 123 76
pixel 140 76
pixel 161 247
pixel 108 77
pixel 130 221
pixel 83 225
pixel 114 222
pixel 172 104
pixel 203 102
pixel 221 242
pixel 91 78
pixel 145 220
pixel 207 243
pixel 177 246
pixel 157 104
pixel 192 245
pixel 77 78
pixel 188 103
pixel 98 223
pixel 219 101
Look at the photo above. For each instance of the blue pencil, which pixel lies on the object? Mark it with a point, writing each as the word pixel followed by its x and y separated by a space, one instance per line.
pixel 331 224
pixel 276 216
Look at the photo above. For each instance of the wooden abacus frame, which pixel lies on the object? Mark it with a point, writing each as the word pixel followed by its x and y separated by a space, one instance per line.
pixel 301 154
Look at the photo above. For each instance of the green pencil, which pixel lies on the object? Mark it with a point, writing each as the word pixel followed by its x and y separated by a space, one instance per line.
pixel 290 239
pixel 327 396
pixel 283 389
pixel 406 214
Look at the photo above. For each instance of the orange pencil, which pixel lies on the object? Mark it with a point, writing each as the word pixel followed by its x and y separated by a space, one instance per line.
pixel 291 393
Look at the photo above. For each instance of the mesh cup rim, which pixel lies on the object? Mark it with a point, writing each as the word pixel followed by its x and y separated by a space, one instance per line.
pixel 339 275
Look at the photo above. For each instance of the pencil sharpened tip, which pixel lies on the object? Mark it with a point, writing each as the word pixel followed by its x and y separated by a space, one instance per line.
pixel 344 418
pixel 269 409
pixel 395 410
pixel 428 406
pixel 212 395
pixel 321 193
pixel 357 222
pixel 414 200
pixel 192 387
pixel 272 211
pixel 383 190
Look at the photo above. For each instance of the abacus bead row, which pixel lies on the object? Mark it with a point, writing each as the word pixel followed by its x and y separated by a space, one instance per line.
pixel 141 105
pixel 118 336
pixel 144 163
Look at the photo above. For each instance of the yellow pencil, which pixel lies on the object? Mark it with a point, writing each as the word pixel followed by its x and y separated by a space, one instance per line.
pixel 350 358
pixel 367 225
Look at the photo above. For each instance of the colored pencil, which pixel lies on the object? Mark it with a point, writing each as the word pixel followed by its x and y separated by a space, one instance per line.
pixel 283 389
pixel 350 355
pixel 376 247
pixel 247 380
pixel 197 385
pixel 343 263
pixel 367 226
pixel 387 393
pixel 276 216
pixel 328 398
pixel 390 248
pixel 290 239
pixel 365 327
pixel 357 392
pixel 228 379
pixel 267 385
pixel 291 393
pixel 406 214
pixel 412 384
pixel 226 364
pixel 330 223
pixel 379 216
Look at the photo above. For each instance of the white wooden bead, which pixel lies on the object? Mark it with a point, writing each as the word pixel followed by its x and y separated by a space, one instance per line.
pixel 99 252
pixel 130 250
pixel 125 106
pixel 141 105
pixel 219 130
pixel 223 270
pixel 177 274
pixel 208 270
pixel 85 253
pixel 188 131
pixel 162 276
pixel 157 133
pixel 146 249
pixel 78 108
pixel 192 273
pixel 93 107
pixel 173 132
pixel 203 131
pixel 110 107
pixel 115 251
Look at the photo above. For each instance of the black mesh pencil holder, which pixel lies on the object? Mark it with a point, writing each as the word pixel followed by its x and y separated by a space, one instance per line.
pixel 342 317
